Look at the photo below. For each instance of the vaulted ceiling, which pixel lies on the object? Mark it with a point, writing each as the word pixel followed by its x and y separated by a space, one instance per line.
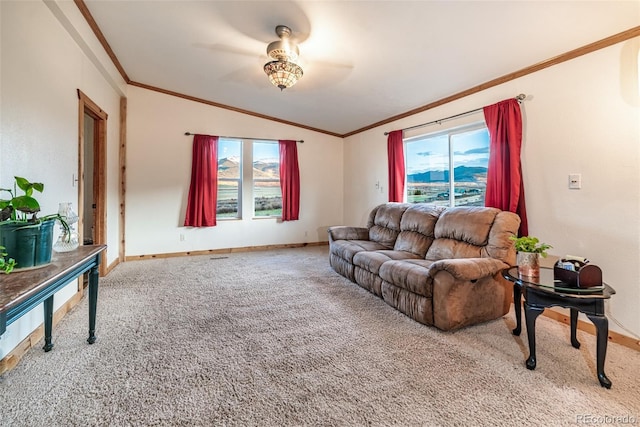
pixel 364 62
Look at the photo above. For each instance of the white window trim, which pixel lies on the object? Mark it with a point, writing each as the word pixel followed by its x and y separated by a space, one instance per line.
pixel 454 130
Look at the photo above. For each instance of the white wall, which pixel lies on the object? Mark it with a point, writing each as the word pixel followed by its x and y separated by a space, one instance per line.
pixel 159 172
pixel 42 67
pixel 581 116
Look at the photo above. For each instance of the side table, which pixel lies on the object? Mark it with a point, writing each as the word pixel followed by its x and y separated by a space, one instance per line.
pixel 542 292
pixel 21 291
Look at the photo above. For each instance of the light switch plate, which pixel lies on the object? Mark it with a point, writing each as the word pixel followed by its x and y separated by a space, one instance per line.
pixel 575 181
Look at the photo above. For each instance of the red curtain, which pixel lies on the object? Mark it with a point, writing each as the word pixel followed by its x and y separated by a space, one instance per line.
pixel 395 153
pixel 505 188
pixel 289 180
pixel 203 191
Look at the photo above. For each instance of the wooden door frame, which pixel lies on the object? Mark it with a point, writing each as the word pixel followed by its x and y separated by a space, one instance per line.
pixel 89 107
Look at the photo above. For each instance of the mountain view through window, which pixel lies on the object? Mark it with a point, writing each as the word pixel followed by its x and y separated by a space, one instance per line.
pixel 265 178
pixel 448 168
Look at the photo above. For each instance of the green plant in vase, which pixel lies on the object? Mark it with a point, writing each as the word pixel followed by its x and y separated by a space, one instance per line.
pixel 529 250
pixel 25 237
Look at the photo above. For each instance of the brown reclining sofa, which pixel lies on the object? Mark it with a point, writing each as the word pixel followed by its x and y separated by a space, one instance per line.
pixel 439 266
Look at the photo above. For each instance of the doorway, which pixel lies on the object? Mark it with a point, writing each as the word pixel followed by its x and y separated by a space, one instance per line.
pixel 92 161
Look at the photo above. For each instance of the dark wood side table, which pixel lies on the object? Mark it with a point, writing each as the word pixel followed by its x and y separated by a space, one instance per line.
pixel 542 292
pixel 21 291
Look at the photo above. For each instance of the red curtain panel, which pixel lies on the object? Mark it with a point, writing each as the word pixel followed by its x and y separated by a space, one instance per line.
pixel 505 188
pixel 289 180
pixel 395 152
pixel 203 191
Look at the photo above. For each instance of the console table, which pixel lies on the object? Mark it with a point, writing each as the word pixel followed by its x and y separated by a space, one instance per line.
pixel 21 291
pixel 544 291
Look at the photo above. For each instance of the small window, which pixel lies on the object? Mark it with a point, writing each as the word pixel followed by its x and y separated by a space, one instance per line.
pixel 448 168
pixel 267 195
pixel 229 178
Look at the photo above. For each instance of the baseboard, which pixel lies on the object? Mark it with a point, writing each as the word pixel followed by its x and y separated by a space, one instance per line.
pixel 588 327
pixel 224 251
pixel 14 356
pixel 113 265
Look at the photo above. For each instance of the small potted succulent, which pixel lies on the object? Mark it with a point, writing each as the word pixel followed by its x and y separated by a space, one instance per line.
pixel 25 238
pixel 529 249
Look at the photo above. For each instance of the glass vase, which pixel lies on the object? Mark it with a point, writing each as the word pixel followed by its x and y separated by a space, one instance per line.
pixel 528 264
pixel 68 240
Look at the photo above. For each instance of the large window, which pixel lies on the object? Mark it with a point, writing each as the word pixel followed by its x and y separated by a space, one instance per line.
pixel 267 195
pixel 229 178
pixel 261 182
pixel 448 168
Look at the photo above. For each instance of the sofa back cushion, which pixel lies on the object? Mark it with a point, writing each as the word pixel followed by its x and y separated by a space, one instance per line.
pixel 417 228
pixel 384 223
pixel 500 246
pixel 462 232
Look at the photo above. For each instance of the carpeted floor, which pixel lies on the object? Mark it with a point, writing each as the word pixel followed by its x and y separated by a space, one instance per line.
pixel 278 339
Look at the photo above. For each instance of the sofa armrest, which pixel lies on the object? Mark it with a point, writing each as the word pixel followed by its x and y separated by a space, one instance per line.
pixel 468 268
pixel 342 232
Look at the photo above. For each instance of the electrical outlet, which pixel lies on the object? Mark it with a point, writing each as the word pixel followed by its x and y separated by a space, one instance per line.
pixel 575 181
pixel 181 237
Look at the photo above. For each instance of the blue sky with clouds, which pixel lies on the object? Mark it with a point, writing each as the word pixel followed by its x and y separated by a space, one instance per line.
pixel 432 152
pixel 262 150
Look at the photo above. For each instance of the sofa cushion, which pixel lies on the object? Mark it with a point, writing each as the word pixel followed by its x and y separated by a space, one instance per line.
pixel 461 232
pixel 371 261
pixel 347 249
pixel 417 228
pixel 412 275
pixel 384 223
pixel 500 245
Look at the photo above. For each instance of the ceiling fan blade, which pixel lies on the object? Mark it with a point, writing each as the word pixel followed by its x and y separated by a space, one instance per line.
pixel 252 76
pixel 218 47
pixel 329 64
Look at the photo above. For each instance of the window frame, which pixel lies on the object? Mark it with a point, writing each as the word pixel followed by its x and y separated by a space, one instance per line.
pixel 246 202
pixel 258 180
pixel 450 133
pixel 239 180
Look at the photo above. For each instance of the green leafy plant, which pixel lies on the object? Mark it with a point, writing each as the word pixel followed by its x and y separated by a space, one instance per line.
pixel 17 208
pixel 24 208
pixel 6 264
pixel 530 244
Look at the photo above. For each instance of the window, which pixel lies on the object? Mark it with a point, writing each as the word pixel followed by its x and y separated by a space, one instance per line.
pixel 229 178
pixel 262 162
pixel 267 195
pixel 448 168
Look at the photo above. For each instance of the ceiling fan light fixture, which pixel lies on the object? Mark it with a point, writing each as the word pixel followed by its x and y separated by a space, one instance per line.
pixel 283 49
pixel 283 74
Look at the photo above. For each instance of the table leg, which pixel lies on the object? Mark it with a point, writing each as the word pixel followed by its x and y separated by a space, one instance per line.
pixel 517 307
pixel 93 303
pixel 48 323
pixel 531 314
pixel 602 327
pixel 574 326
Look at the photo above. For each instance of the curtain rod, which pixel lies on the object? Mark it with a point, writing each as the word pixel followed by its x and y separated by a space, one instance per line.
pixel 244 137
pixel 520 98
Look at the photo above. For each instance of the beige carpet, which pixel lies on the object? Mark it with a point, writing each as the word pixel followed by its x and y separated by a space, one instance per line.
pixel 278 339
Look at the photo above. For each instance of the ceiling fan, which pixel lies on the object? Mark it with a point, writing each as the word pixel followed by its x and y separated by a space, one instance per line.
pixel 282 60
pixel 283 71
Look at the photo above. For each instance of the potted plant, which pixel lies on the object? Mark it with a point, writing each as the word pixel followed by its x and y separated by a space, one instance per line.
pixel 26 239
pixel 6 264
pixel 528 257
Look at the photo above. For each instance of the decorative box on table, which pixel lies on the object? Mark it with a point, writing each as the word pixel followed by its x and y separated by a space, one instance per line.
pixel 583 275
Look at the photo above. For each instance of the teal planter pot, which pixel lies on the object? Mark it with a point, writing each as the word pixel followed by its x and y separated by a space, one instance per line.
pixel 29 244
